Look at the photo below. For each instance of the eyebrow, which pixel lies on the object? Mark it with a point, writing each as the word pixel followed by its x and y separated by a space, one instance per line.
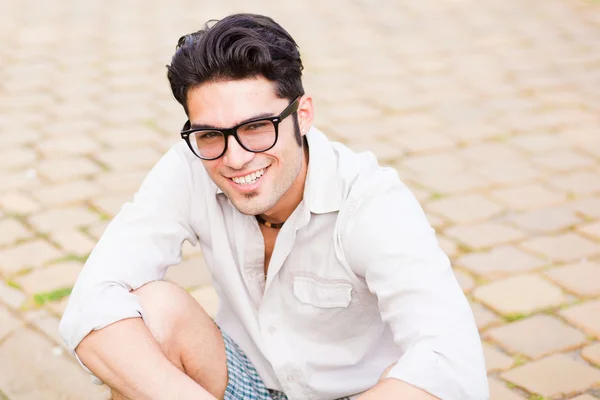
pixel 258 116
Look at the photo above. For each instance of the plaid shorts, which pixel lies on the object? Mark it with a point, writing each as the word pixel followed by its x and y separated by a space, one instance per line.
pixel 243 380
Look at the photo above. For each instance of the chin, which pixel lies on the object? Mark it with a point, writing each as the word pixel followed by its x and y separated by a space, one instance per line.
pixel 253 205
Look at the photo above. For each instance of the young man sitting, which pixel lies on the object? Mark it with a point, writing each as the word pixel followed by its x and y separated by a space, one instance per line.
pixel 331 281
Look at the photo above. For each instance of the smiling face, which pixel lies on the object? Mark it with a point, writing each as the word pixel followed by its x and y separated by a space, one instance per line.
pixel 271 182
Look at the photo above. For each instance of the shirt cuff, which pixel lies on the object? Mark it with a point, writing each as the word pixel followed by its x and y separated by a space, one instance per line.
pixel 423 368
pixel 112 304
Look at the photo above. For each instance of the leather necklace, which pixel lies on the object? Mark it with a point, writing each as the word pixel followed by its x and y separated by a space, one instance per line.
pixel 269 224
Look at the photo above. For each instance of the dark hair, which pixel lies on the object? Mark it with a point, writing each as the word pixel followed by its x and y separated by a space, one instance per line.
pixel 237 47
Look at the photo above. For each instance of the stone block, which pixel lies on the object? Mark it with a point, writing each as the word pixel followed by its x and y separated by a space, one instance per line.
pixel 522 294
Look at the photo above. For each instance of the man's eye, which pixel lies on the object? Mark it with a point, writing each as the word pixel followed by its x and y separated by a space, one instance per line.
pixel 257 125
pixel 210 135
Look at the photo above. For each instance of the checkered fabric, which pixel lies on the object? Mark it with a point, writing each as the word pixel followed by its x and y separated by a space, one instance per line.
pixel 244 382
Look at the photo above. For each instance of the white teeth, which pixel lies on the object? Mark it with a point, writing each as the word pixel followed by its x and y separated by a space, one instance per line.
pixel 250 178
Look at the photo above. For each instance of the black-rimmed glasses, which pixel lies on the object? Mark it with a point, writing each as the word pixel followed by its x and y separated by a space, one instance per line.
pixel 256 136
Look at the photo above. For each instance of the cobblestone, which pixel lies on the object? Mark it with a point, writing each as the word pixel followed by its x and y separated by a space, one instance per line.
pixel 537 336
pixel 555 375
pixel 487 110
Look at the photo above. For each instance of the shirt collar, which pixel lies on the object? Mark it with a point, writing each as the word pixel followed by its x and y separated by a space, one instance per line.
pixel 323 190
pixel 324 187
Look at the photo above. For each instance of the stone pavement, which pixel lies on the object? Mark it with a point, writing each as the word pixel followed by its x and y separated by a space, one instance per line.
pixel 489 110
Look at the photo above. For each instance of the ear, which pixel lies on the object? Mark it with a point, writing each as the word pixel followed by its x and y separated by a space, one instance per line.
pixel 305 113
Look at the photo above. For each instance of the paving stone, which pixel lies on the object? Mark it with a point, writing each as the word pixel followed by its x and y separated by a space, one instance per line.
pixel 73 242
pixel 499 262
pixel 563 160
pixel 539 142
pixel 484 235
pixel 12 230
pixel 489 152
pixel 130 159
pixel 425 142
pixel 537 336
pixel 499 391
pixel 59 307
pixel 189 273
pixel 65 169
pixel 46 323
pixel 506 173
pixel 448 246
pixel 527 197
pixel 555 375
pixel 117 182
pixel 579 183
pixel 97 229
pixel 466 282
pixel 484 317
pixel 67 146
pixel 71 193
pixel 464 208
pixel 592 354
pixel 435 221
pixel 63 218
pixel 11 296
pixel 111 205
pixel 585 316
pixel 591 230
pixel 8 322
pixel 496 360
pixel 584 397
pixel 590 207
pixel 385 152
pixel 21 180
pixel 15 202
pixel 208 298
pixel 434 163
pixel 562 248
pixel 522 294
pixel 450 182
pixel 546 220
pixel 27 255
pixel 17 158
pixel 56 276
pixel 30 370
pixel 581 279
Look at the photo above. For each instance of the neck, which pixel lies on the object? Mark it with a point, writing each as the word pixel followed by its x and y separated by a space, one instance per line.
pixel 290 200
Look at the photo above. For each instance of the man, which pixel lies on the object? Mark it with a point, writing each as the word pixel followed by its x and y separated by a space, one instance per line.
pixel 331 281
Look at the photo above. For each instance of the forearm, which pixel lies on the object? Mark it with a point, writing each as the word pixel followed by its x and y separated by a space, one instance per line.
pixel 391 388
pixel 128 359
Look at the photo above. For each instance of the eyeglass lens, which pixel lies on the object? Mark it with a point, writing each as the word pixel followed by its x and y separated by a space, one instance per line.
pixel 254 136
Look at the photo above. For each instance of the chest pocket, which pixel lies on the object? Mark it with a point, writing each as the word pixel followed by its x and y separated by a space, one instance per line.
pixel 334 294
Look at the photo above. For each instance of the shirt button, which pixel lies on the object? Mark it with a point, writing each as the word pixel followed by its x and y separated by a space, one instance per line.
pixel 290 378
pixel 272 330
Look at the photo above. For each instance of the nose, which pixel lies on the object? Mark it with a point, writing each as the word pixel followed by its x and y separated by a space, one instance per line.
pixel 236 156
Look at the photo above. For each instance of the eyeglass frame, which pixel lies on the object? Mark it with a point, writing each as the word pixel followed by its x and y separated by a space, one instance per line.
pixel 186 132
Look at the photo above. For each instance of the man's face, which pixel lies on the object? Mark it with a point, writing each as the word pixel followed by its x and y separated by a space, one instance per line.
pixel 229 103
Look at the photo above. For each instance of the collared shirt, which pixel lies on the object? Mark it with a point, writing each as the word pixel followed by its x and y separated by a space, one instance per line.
pixel 356 282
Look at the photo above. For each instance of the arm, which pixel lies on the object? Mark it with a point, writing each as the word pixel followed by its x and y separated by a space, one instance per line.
pixel 141 242
pixel 135 364
pixel 389 242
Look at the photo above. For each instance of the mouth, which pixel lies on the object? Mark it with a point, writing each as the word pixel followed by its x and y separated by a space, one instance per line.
pixel 250 181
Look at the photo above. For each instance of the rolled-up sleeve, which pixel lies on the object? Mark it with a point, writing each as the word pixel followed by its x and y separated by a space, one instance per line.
pixel 389 241
pixel 138 246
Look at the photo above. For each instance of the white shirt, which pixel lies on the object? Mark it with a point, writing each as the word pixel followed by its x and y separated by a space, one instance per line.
pixel 356 282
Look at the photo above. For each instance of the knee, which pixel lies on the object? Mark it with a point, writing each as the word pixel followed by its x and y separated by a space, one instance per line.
pixel 166 309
